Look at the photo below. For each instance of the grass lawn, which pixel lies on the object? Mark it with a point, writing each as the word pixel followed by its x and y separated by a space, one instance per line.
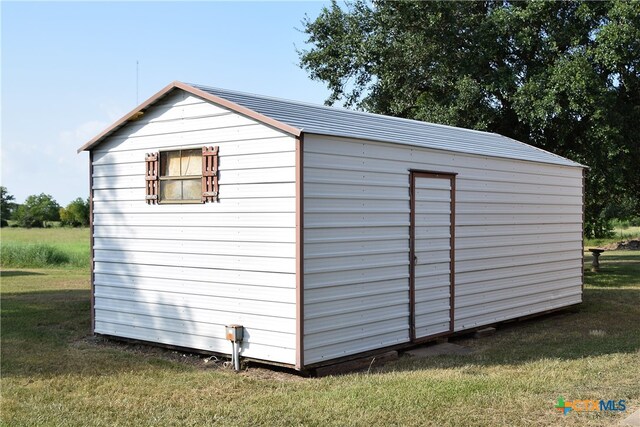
pixel 73 239
pixel 54 374
pixel 21 246
pixel 619 234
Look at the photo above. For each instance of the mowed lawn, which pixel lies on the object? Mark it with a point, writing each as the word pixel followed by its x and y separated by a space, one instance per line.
pixel 54 373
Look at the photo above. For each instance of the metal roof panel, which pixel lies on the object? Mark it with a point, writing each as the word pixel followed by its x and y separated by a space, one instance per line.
pixel 323 120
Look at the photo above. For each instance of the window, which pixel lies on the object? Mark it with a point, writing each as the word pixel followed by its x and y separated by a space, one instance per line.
pixel 182 176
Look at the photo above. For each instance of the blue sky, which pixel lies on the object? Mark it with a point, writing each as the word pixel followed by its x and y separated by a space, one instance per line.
pixel 69 71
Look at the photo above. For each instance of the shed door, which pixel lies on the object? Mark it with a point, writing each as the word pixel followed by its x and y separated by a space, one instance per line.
pixel 432 243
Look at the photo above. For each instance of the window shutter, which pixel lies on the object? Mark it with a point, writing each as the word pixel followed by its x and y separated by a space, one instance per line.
pixel 151 186
pixel 209 174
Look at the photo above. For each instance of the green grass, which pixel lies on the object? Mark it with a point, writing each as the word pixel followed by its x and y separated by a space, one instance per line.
pixel 619 234
pixel 53 374
pixel 44 247
pixel 32 255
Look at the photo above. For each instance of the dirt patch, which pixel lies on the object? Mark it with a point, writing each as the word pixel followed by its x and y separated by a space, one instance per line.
pixel 195 360
pixel 627 245
pixel 147 351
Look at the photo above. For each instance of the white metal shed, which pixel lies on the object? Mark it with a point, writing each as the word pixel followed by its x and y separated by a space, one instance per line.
pixel 326 233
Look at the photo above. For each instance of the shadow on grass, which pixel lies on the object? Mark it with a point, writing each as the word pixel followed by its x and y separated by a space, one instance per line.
pixel 12 273
pixel 48 333
pixel 610 278
pixel 43 332
pixel 630 257
pixel 621 269
pixel 604 324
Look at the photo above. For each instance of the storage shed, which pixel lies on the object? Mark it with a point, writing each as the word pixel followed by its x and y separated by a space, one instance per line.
pixel 326 233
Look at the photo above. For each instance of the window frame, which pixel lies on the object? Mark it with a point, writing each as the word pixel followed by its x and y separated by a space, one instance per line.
pixel 164 178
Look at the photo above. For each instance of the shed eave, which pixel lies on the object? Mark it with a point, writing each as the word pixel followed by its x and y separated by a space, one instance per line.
pixel 567 162
pixel 132 115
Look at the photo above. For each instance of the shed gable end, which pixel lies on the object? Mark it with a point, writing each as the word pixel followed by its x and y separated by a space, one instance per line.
pixel 177 273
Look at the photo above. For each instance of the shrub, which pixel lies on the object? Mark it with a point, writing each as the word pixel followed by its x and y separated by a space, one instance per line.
pixel 76 214
pixel 36 255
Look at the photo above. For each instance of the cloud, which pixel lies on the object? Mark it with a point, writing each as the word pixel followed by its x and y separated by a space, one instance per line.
pixel 82 132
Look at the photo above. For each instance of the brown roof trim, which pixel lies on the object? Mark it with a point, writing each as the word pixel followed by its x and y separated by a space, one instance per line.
pixel 240 109
pixel 199 93
pixel 300 253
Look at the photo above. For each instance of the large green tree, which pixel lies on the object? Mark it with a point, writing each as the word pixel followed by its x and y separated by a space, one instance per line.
pixel 563 76
pixel 7 205
pixel 37 210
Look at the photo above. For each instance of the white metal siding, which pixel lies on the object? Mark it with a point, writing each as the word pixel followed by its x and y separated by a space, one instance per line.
pixel 518 240
pixel 176 274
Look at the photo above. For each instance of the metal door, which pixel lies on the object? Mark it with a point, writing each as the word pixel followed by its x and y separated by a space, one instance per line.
pixel 432 254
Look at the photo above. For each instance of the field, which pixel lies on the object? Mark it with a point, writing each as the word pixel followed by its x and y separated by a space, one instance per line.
pixel 45 247
pixel 619 234
pixel 54 373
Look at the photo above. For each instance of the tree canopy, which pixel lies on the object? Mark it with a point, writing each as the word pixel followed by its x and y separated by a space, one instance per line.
pixel 562 76
pixel 76 214
pixel 37 210
pixel 7 205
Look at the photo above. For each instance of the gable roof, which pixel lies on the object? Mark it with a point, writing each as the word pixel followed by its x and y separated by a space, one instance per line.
pixel 134 114
pixel 295 117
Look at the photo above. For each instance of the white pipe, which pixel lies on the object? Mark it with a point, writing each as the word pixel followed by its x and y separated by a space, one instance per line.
pixel 235 355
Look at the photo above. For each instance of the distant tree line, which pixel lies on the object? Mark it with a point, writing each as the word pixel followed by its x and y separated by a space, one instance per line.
pixel 42 209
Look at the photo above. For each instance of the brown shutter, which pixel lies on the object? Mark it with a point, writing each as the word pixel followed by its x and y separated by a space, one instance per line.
pixel 209 174
pixel 151 186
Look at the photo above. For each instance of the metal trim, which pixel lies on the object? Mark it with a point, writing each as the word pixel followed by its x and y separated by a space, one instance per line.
pixel 91 250
pixel 412 254
pixel 452 251
pixel 451 176
pixel 300 252
pixel 584 173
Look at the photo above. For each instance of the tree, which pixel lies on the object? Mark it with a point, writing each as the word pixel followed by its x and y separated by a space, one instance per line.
pixel 76 214
pixel 563 76
pixel 37 210
pixel 6 205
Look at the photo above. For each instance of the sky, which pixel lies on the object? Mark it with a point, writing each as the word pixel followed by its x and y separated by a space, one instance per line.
pixel 68 71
